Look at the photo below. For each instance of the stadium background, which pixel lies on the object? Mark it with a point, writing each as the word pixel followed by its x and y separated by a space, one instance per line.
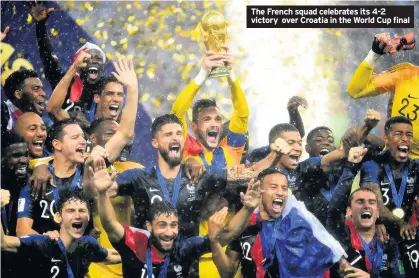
pixel 162 39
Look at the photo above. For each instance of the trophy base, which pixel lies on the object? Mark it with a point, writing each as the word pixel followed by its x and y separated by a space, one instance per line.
pixel 219 72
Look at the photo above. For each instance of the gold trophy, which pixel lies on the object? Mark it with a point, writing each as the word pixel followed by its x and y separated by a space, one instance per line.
pixel 213 27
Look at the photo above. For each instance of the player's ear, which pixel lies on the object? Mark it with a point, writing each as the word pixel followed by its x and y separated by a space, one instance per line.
pixel 348 212
pixel 93 139
pixel 194 127
pixel 18 94
pixel 57 218
pixel 96 98
pixel 56 144
pixel 148 226
pixel 385 140
pixel 308 148
pixel 154 143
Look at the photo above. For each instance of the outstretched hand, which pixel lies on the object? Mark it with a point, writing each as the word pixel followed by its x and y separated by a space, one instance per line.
pixel 38 10
pixel 251 199
pixel 4 33
pixel 125 72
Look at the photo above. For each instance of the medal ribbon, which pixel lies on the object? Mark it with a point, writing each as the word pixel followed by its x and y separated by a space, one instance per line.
pixel 5 217
pixel 397 196
pixel 218 159
pixel 377 260
pixel 329 193
pixel 149 262
pixel 163 185
pixel 62 248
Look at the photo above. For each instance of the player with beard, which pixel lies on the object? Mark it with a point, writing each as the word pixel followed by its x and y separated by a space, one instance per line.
pixel 207 128
pixel 367 255
pixel 168 179
pixel 33 129
pixel 66 140
pixel 101 131
pixel 401 80
pixel 25 93
pixel 273 244
pixel 392 175
pixel 68 256
pixel 162 248
pixel 14 175
pixel 83 83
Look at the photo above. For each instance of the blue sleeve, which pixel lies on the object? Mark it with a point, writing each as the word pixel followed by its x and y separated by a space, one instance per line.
pixel 310 165
pixel 395 260
pixel 258 154
pixel 33 242
pixel 369 172
pixel 95 252
pixel 236 139
pixel 194 247
pixel 25 203
pixel 129 180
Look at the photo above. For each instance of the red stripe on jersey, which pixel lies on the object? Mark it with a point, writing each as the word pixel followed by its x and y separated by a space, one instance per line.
pixel 136 240
pixel 253 219
pixel 356 242
pixel 257 256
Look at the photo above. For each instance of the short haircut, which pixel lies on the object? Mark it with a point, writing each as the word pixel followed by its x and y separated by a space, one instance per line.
pixel 56 132
pixel 163 120
pixel 311 134
pixel 276 131
pixel 270 171
pixel 199 105
pixel 71 196
pixel 96 124
pixel 396 120
pixel 16 82
pixel 363 189
pixel 159 208
pixel 9 138
pixel 103 81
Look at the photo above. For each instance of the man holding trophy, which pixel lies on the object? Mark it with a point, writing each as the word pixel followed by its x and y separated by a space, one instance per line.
pixel 206 145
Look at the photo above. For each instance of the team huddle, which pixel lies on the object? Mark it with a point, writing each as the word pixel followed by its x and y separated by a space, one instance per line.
pixel 74 205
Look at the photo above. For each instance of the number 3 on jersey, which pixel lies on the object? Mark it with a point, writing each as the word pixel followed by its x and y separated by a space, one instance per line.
pixel 44 207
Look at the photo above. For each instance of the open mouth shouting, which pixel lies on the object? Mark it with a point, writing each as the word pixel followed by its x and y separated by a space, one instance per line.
pixel 324 151
pixel 174 150
pixel 37 146
pixel 403 151
pixel 113 110
pixel 212 136
pixel 81 151
pixel 78 227
pixel 21 170
pixel 93 73
pixel 40 105
pixel 294 158
pixel 277 205
pixel 366 215
pixel 167 242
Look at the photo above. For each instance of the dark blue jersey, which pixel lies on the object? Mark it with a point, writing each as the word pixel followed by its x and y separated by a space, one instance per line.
pixel 373 171
pixel 42 211
pixel 133 248
pixel 144 188
pixel 42 257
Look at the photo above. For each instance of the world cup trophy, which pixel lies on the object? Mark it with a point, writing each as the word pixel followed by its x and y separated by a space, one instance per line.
pixel 213 27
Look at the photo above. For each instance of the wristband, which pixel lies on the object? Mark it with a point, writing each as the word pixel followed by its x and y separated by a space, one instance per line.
pixel 372 58
pixel 201 77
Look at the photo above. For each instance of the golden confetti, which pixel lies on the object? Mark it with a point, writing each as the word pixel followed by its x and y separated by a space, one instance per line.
pixel 29 19
pixel 157 101
pixel 124 40
pixel 82 40
pixel 100 24
pixel 145 97
pixel 54 32
pixel 80 21
pixel 338 33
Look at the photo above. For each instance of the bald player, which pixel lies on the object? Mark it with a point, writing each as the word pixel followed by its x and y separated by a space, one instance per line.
pixel 32 128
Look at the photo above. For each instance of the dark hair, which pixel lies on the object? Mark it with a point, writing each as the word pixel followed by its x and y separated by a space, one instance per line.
pixel 163 120
pixel 16 81
pixel 105 80
pixel 56 132
pixel 270 171
pixel 363 189
pixel 71 196
pixel 278 129
pixel 9 138
pixel 395 120
pixel 199 105
pixel 158 208
pixel 311 134
pixel 96 124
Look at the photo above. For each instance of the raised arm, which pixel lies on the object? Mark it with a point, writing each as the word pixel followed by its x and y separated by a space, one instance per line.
pixel 102 182
pixel 364 83
pixel 113 257
pixel 185 99
pixel 8 243
pixel 125 74
pixel 52 67
pixel 295 117
pixel 60 92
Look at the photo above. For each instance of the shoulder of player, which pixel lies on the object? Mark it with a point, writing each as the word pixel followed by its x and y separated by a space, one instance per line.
pixel 404 67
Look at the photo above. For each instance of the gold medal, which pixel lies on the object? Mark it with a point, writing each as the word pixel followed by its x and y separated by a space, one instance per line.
pixel 398 212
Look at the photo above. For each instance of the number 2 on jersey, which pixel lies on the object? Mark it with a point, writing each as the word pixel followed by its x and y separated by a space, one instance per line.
pixel 44 206
pixel 55 270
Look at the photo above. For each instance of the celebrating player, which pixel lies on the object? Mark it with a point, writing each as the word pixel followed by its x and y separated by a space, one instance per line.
pixel 71 254
pixel 33 129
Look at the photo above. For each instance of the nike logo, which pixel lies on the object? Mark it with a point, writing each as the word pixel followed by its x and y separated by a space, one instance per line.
pixel 154 189
pixel 408 247
pixel 412 97
pixel 245 237
pixel 55 261
pixel 48 193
